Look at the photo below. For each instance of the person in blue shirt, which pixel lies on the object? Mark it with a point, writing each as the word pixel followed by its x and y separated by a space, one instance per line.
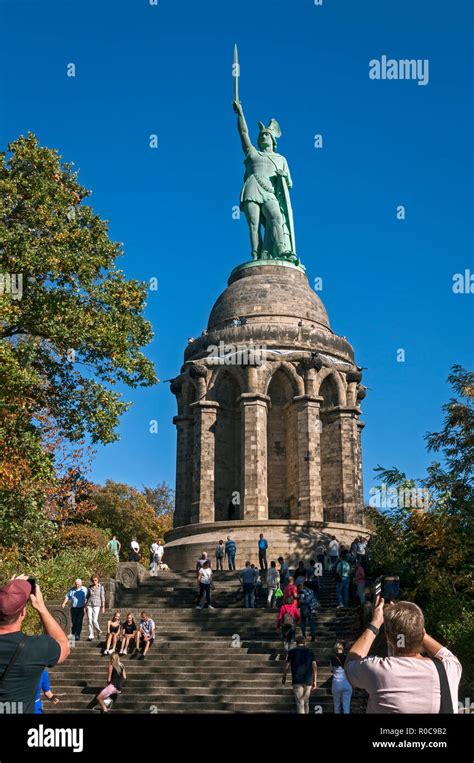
pixel 78 598
pixel 45 687
pixel 262 553
pixel 230 551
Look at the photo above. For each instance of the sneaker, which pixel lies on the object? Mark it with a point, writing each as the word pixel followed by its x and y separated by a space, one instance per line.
pixel 198 606
pixel 211 607
pixel 141 657
pixel 90 638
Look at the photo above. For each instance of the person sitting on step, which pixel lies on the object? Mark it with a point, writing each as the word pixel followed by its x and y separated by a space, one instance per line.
pixel 146 634
pixel 129 633
pixel 113 632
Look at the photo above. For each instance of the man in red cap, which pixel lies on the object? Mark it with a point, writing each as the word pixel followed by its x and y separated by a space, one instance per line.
pixel 23 658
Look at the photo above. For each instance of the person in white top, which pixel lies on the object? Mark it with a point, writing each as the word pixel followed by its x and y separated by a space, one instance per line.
pixel 273 582
pixel 205 585
pixel 333 549
pixel 154 559
pixel 160 552
pixel 406 681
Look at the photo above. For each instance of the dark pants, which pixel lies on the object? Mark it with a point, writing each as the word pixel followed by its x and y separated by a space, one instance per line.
pixel 307 619
pixel 77 616
pixel 249 595
pixel 314 585
pixel 219 565
pixel 204 590
pixel 262 560
pixel 288 633
pixel 231 561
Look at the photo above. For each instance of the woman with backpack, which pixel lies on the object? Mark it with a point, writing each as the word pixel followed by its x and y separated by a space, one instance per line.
pixel 288 618
pixel 115 677
pixel 341 688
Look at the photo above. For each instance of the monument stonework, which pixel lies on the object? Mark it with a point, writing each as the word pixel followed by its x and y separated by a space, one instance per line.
pixel 268 424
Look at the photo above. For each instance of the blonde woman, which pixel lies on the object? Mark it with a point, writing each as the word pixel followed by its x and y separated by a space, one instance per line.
pixel 115 677
pixel 113 632
pixel 341 688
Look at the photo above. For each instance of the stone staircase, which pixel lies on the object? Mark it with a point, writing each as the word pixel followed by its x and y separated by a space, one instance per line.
pixel 194 665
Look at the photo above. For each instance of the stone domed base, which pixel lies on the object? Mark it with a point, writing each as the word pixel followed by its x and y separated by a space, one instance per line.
pixel 295 540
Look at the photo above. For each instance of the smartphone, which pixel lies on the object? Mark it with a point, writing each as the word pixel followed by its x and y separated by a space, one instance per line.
pixel 32 583
pixel 387 586
pixel 391 588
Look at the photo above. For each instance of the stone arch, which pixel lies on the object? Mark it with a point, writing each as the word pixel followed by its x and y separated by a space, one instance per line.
pixel 282 466
pixel 227 445
pixel 234 371
pixel 291 373
pixel 332 391
pixel 329 381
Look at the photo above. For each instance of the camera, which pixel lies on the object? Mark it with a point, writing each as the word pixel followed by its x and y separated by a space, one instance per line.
pixel 32 583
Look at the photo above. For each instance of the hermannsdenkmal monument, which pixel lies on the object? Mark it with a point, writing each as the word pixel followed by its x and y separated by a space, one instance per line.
pixel 268 423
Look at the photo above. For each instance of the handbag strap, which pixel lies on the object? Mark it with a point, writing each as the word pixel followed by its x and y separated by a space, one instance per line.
pixel 13 659
pixel 446 704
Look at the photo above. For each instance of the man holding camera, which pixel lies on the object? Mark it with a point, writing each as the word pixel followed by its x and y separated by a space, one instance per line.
pixel 406 681
pixel 23 658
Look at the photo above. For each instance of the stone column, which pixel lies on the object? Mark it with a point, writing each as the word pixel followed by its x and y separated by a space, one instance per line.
pixel 310 501
pixel 254 455
pixel 202 506
pixel 184 470
pixel 350 463
pixel 359 479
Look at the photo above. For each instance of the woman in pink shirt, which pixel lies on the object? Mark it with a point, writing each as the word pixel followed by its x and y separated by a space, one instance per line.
pixel 359 582
pixel 287 620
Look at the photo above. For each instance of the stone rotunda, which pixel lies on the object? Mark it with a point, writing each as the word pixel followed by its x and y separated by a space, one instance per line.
pixel 268 428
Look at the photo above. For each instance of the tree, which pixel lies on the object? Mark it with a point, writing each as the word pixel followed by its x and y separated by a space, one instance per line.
pixel 161 498
pixel 78 327
pixel 432 547
pixel 124 511
pixel 71 323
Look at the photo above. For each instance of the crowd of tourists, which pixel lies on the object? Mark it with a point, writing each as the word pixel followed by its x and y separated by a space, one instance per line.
pixel 418 675
pixel 348 565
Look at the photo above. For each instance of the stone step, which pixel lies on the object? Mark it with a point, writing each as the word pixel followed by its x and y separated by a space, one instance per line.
pixel 192 667
pixel 198 705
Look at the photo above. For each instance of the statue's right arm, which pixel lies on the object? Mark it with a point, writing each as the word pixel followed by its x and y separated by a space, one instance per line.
pixel 242 127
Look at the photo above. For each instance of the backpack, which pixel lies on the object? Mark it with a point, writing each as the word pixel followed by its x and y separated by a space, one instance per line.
pixel 309 602
pixel 288 618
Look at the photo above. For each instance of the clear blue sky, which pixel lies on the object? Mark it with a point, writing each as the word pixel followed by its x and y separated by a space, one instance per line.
pixel 167 70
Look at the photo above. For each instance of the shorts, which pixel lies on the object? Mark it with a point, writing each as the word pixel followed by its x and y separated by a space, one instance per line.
pixel 108 691
pixel 142 640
